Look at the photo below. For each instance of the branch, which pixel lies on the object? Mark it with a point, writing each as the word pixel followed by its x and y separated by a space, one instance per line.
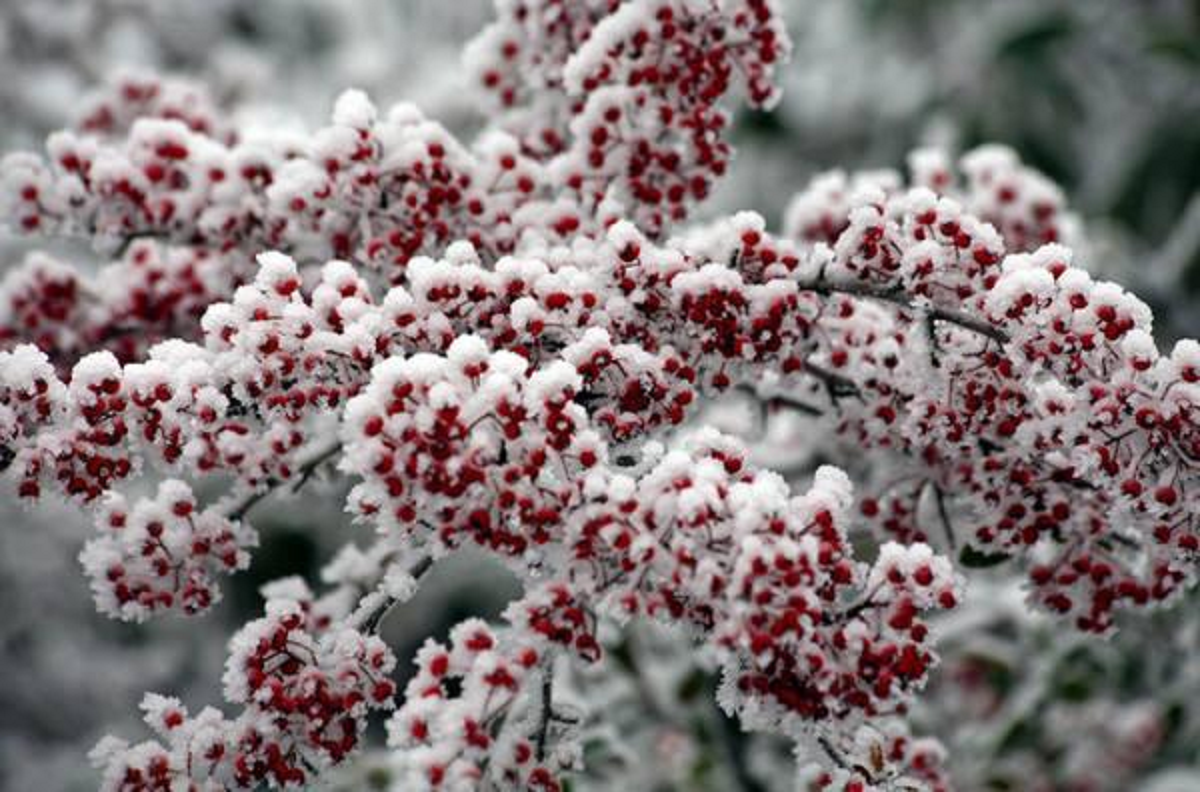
pixel 836 385
pixel 126 241
pixel 834 754
pixel 782 400
pixel 547 710
pixel 840 760
pixel 239 509
pixel 372 619
pixel 902 299
pixel 944 514
pixel 866 603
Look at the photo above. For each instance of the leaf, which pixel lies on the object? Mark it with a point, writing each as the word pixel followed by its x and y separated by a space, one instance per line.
pixel 1176 46
pixel 1036 39
pixel 1020 734
pixel 975 559
pixel 693 685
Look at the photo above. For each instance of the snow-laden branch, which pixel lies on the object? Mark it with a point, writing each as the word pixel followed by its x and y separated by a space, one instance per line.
pixel 505 332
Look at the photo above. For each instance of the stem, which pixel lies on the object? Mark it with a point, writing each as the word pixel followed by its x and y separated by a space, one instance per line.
pixel 866 603
pixel 944 514
pixel 836 385
pixel 239 509
pixel 834 754
pixel 547 710
pixel 840 760
pixel 126 241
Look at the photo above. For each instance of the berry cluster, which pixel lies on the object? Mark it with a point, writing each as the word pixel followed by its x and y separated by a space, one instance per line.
pixel 1031 396
pixel 305 695
pixel 475 711
pixel 162 554
pixel 111 110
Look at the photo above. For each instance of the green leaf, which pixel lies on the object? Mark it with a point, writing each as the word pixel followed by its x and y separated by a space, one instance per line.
pixel 974 559
pixel 1021 734
pixel 1177 46
pixel 1038 38
pixel 693 685
pixel 379 778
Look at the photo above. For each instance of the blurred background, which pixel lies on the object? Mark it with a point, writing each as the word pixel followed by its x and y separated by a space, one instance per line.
pixel 1102 95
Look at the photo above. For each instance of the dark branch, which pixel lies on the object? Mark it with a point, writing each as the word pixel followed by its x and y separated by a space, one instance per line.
pixel 547 710
pixel 944 515
pixel 900 298
pixel 783 400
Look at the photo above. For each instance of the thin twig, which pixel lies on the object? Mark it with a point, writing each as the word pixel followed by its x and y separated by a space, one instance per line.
pixel 783 400
pixel 547 710
pixel 239 509
pixel 834 754
pixel 944 514
pixel 836 385
pixel 795 404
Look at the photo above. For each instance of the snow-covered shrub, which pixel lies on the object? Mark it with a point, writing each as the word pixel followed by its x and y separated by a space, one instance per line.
pixel 505 344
